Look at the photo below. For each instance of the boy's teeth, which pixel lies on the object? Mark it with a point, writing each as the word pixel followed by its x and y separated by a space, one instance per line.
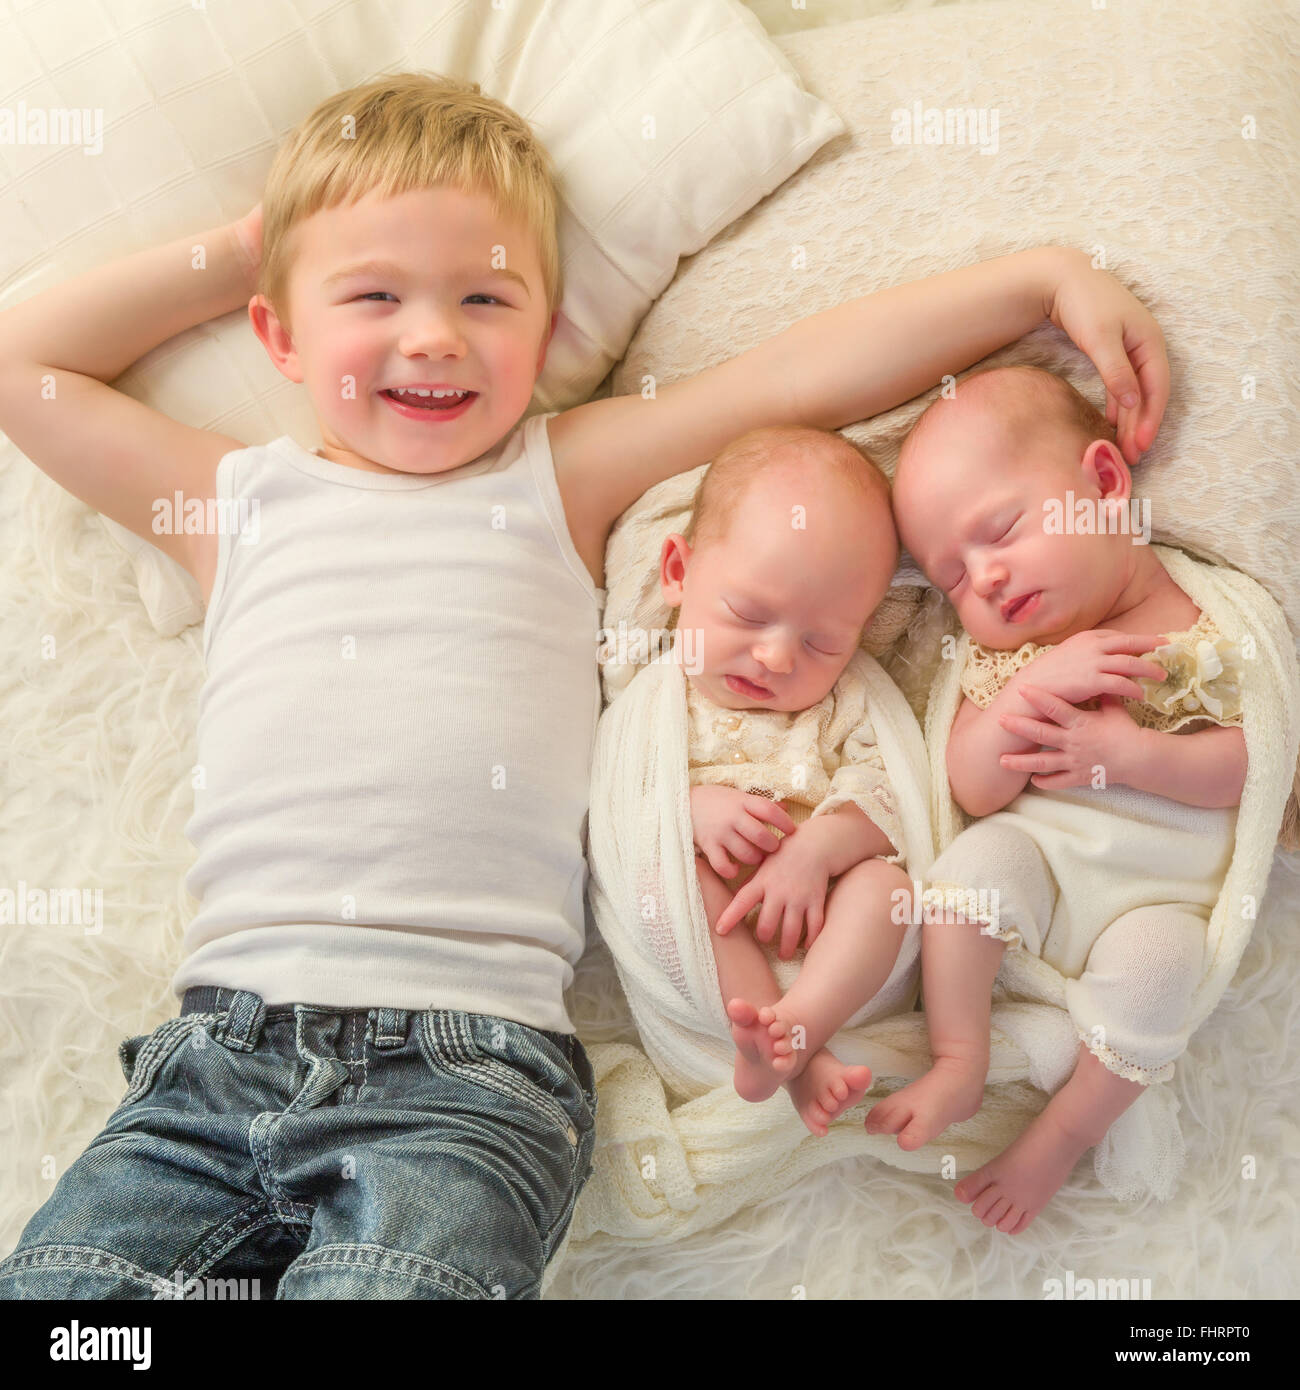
pixel 411 391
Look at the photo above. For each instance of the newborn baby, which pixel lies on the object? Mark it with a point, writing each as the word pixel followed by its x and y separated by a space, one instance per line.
pixel 790 550
pixel 1013 498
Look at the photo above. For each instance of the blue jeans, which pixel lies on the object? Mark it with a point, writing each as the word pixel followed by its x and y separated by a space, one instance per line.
pixel 317 1153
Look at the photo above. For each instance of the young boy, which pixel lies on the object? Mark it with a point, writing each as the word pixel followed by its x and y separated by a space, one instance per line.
pixel 383 1095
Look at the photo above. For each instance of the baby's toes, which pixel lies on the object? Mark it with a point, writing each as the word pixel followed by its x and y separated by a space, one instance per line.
pixel 993 1211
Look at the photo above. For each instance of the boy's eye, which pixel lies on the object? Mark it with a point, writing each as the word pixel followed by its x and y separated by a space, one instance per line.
pixel 821 651
pixel 384 294
pixel 741 616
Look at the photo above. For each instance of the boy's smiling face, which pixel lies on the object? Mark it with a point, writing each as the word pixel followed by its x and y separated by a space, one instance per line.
pixel 427 289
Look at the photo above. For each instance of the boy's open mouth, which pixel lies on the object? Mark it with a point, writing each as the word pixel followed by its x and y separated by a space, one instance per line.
pixel 440 403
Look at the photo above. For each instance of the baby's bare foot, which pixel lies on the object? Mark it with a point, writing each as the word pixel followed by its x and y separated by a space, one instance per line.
pixel 752 1080
pixel 788 1038
pixel 1010 1190
pixel 825 1089
pixel 950 1091
pixel 755 1042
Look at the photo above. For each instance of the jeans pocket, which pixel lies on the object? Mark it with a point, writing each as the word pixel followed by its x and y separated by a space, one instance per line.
pixel 143 1057
pixel 511 1059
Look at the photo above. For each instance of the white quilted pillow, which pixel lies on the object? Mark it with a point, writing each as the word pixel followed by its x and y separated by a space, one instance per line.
pixel 1158 133
pixel 666 120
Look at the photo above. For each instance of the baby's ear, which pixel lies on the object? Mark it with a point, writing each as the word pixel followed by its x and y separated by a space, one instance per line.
pixel 1104 465
pixel 674 556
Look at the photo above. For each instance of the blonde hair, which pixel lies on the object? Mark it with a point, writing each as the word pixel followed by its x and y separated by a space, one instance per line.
pixel 743 461
pixel 405 132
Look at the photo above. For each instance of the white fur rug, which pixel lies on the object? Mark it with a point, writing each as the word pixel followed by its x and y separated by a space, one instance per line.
pixel 98 713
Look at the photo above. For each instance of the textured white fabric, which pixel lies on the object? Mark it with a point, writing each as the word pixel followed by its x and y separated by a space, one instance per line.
pixel 665 120
pixel 377 822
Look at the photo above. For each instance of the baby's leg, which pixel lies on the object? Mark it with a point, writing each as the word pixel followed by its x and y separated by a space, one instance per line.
pixel 1132 1001
pixel 1013 1188
pixel 848 963
pixel 743 975
pixel 958 966
pixel 1006 870
pixel 746 983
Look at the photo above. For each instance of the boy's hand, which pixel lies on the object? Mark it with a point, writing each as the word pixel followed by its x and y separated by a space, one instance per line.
pixel 727 821
pixel 248 239
pixel 1089 664
pixel 1076 742
pixel 791 884
pixel 1125 344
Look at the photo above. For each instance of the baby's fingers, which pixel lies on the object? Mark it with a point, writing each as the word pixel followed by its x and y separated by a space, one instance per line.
pixel 772 812
pixel 1031 729
pixel 719 862
pixel 736 909
pixel 1134 666
pixel 1121 687
pixel 791 930
pixel 743 845
pixel 756 834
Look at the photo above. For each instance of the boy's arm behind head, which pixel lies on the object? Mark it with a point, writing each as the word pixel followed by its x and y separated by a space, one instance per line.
pixel 60 348
pixel 116 455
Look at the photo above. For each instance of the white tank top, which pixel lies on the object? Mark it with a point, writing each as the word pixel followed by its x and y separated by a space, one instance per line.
pixel 395 737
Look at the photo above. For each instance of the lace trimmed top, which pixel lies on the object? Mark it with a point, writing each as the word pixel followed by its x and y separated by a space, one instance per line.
pixel 813 760
pixel 1202 684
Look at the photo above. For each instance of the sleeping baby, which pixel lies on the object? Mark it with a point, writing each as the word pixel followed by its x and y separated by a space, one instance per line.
pixel 1094 678
pixel 790 550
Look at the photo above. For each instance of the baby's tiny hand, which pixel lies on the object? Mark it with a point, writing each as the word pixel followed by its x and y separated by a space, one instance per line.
pixel 1094 663
pixel 726 821
pixel 1077 745
pixel 791 884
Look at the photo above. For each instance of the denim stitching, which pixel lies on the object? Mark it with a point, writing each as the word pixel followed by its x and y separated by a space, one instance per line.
pixel 380 1257
pixel 82 1257
pixel 153 1055
pixel 499 1077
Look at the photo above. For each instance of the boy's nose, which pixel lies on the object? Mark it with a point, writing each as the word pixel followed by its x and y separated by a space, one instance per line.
pixel 432 337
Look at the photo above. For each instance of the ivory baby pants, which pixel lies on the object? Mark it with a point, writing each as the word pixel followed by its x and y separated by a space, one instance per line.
pixel 1111 887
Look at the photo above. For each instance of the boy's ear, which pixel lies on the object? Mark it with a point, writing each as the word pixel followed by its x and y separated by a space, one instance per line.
pixel 274 336
pixel 673 559
pixel 1104 465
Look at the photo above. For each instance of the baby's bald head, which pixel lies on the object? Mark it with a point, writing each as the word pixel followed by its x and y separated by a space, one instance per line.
pixel 776 459
pixel 1015 408
pixel 999 421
